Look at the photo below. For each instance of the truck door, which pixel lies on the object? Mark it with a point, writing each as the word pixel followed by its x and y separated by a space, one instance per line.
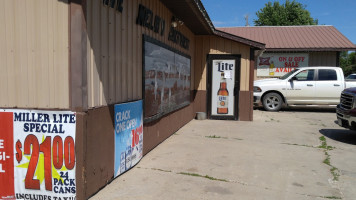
pixel 301 88
pixel 329 86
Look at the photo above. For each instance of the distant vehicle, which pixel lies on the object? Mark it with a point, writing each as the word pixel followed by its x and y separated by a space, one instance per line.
pixel 302 86
pixel 346 110
pixel 351 77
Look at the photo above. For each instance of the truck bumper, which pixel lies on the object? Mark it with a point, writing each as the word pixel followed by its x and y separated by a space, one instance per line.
pixel 346 118
pixel 256 99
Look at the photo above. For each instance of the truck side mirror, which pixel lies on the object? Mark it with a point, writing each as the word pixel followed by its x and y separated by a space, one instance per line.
pixel 293 79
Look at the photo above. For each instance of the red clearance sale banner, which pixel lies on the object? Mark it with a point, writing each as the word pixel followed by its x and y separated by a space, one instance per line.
pixel 37 155
pixel 278 64
pixel 6 156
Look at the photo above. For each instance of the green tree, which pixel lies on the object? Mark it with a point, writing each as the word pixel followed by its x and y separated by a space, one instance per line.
pixel 348 62
pixel 291 13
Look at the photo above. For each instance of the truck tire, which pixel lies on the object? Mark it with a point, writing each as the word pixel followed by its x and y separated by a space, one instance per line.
pixel 272 102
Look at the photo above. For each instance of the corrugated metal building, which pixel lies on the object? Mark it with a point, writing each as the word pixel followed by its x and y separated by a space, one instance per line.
pixel 86 56
pixel 317 45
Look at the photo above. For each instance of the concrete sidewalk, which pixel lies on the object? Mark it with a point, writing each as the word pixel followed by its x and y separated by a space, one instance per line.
pixel 277 156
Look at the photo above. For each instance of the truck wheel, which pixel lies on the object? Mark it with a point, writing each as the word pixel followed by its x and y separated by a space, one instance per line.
pixel 272 102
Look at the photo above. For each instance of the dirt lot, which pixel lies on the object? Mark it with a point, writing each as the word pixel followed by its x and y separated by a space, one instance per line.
pixel 292 154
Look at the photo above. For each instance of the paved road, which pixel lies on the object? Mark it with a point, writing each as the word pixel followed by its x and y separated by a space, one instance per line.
pixel 292 154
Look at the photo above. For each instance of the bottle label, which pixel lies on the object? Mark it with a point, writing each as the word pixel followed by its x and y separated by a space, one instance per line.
pixel 128 157
pixel 222 101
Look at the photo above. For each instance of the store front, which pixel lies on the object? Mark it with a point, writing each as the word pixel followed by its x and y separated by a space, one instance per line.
pixel 103 83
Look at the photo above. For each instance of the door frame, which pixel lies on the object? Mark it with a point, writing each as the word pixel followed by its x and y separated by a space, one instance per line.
pixel 209 60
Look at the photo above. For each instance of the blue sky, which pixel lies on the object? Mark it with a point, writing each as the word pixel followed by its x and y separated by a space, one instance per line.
pixel 339 13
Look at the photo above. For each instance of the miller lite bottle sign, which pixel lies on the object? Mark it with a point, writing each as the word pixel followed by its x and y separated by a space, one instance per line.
pixel 223 96
pixel 271 69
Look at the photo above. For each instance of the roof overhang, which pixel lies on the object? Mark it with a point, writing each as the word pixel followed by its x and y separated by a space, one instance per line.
pixel 295 38
pixel 195 17
pixel 193 14
pixel 310 49
pixel 251 43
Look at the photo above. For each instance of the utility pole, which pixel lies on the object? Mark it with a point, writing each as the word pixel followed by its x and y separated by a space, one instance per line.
pixel 246 19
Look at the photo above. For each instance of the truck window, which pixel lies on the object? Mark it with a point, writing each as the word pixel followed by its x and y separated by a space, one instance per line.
pixel 285 76
pixel 351 77
pixel 327 75
pixel 305 75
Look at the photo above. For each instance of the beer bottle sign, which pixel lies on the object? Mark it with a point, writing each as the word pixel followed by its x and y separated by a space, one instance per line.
pixel 223 80
pixel 223 96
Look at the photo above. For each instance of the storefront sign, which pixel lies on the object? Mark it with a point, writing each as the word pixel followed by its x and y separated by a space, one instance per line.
pixel 117 4
pixel 278 64
pixel 147 19
pixel 223 81
pixel 37 155
pixel 128 135
pixel 178 38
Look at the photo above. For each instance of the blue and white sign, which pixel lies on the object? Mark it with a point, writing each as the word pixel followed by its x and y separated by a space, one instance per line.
pixel 128 135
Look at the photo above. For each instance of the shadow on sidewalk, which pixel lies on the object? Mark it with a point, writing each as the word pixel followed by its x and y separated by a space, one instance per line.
pixel 303 109
pixel 341 135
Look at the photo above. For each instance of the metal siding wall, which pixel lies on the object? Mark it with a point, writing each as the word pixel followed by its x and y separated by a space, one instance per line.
pixel 34 54
pixel 216 45
pixel 3 59
pixel 115 50
pixel 245 68
pixel 323 59
pixel 199 64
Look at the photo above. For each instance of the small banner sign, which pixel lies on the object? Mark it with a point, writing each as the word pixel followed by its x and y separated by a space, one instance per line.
pixel 128 135
pixel 278 64
pixel 37 154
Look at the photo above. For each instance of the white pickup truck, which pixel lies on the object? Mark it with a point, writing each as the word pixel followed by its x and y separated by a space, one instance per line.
pixel 302 86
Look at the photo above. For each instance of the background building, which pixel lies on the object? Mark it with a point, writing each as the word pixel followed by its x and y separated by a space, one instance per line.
pixel 288 47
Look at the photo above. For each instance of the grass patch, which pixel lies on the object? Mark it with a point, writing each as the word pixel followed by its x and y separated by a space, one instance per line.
pixel 301 145
pixel 162 170
pixel 334 171
pixel 212 136
pixel 331 197
pixel 327 159
pixel 215 136
pixel 322 139
pixel 201 176
pixel 219 137
pixel 272 120
pixel 324 145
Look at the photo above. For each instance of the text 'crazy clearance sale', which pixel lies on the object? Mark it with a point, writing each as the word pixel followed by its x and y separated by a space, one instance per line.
pixel 37 155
